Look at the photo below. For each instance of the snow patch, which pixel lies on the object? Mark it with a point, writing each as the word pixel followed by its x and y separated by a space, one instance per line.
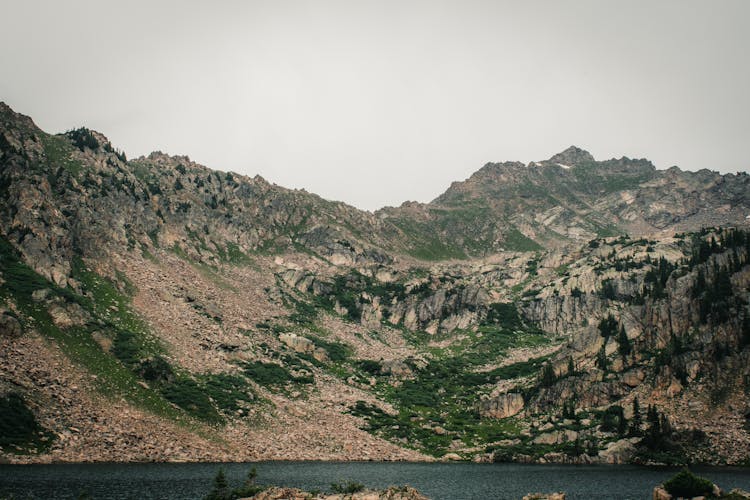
pixel 566 167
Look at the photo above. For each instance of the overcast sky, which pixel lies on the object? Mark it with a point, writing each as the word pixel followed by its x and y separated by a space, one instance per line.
pixel 378 102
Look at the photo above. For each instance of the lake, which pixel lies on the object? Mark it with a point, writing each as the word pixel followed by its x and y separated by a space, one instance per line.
pixel 442 481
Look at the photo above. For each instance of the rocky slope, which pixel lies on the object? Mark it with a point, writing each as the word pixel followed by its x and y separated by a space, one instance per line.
pixel 154 309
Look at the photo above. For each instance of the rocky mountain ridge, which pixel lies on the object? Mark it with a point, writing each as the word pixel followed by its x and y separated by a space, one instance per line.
pixel 512 318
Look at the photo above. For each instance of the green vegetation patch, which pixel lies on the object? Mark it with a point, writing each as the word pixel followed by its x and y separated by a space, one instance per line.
pixel 228 392
pixel 515 240
pixel 273 375
pixel 190 396
pixel 424 244
pixel 439 405
pixel 58 151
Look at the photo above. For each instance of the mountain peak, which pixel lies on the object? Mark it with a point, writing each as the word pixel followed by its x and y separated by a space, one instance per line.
pixel 572 156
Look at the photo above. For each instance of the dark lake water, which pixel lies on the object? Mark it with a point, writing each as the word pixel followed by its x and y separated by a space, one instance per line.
pixel 438 481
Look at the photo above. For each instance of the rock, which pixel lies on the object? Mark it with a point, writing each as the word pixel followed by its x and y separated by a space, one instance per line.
pixel 555 437
pixel 570 435
pixel 298 344
pixel 661 494
pixel 321 355
pixel 716 491
pixel 618 452
pixel 67 315
pixel 391 493
pixel 9 325
pixel 451 456
pixel 502 406
pixel 544 496
pixel 633 378
pixel 40 295
pixel 396 368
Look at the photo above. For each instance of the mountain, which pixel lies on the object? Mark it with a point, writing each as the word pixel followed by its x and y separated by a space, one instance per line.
pixel 570 198
pixel 569 310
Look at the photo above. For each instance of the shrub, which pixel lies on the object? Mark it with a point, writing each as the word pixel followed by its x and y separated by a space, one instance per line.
pixel 156 369
pixel 271 374
pixel 347 488
pixel 370 366
pixel 688 485
pixel 125 348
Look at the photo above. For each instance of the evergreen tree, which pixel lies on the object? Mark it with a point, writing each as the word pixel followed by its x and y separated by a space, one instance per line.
pixel 745 332
pixel 221 489
pixel 635 423
pixel 624 343
pixel 601 359
pixel 248 488
pixel 608 326
pixel 548 376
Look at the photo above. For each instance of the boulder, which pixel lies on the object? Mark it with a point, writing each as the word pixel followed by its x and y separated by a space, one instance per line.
pixel 633 378
pixel 550 438
pixel 661 494
pixel 618 452
pixel 67 315
pixel 9 325
pixel 321 355
pixel 395 368
pixel 40 295
pixel 502 406
pixel 297 344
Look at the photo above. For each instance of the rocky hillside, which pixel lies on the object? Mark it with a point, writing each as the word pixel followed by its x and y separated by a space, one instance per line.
pixel 568 310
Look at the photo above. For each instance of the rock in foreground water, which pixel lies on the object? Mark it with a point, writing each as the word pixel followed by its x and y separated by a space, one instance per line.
pixel 391 493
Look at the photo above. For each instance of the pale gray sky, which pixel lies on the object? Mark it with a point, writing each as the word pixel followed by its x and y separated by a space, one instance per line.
pixel 377 102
